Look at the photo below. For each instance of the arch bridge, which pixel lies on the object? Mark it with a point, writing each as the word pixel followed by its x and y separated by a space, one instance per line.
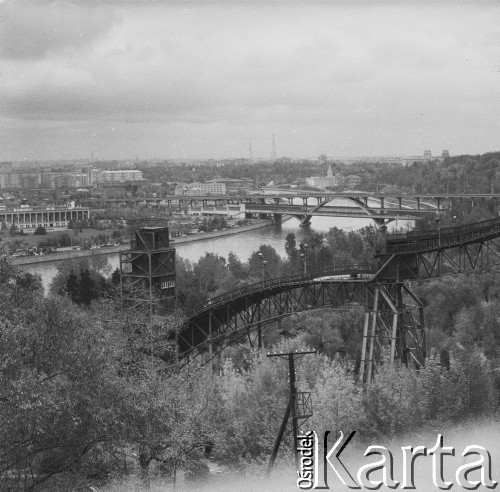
pixel 394 320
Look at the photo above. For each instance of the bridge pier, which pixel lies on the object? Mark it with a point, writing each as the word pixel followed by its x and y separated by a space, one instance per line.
pixel 277 218
pixel 370 362
pixel 259 330
pixel 390 323
pixel 364 342
pixel 305 221
pixel 210 341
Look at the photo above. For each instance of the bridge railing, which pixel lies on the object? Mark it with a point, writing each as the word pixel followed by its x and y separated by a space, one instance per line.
pixel 352 270
pixel 417 241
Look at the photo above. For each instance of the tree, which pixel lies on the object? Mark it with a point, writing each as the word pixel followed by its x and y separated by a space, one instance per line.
pixel 272 267
pixel 338 400
pixel 197 282
pixel 73 287
pixel 99 264
pixel 65 240
pixel 40 231
pixel 13 229
pixel 86 288
pixel 444 298
pixel 250 399
pixel 210 274
pixel 324 258
pixel 236 267
pixel 94 267
pixel 291 247
pixel 115 277
pixel 393 399
pixel 91 386
pixel 67 377
pixel 165 417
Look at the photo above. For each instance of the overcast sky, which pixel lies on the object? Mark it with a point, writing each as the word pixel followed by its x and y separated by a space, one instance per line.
pixel 119 80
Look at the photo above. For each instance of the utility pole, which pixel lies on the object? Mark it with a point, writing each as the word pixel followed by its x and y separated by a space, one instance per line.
pixel 299 407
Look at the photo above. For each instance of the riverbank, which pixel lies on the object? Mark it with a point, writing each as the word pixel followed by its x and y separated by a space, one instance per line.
pixel 69 255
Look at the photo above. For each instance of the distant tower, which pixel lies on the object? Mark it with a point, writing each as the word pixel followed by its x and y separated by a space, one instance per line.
pixel 446 153
pixel 329 173
pixel 273 150
pixel 427 154
pixel 250 157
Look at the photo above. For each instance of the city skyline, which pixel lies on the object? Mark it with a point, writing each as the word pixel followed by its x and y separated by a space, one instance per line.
pixel 193 81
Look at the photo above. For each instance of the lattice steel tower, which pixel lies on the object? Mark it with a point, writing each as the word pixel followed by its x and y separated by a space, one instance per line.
pixel 147 270
pixel 273 150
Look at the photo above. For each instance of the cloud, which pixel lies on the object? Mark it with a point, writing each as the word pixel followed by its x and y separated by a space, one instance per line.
pixel 321 74
pixel 33 30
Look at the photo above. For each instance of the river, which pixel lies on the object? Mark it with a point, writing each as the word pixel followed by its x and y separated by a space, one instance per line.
pixel 242 244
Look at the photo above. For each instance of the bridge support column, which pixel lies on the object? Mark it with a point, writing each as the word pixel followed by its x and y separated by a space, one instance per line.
pixel 364 344
pixel 210 341
pixel 259 330
pixel 305 221
pixel 277 218
pixel 392 325
pixel 371 361
pixel 395 320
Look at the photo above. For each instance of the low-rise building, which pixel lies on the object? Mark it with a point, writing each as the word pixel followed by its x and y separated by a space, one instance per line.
pixel 235 185
pixel 328 181
pixel 325 182
pixel 200 189
pixel 27 217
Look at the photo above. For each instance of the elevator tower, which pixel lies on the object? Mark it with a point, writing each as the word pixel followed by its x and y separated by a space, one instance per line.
pixel 147 270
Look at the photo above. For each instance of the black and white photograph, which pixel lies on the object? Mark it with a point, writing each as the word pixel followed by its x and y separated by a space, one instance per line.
pixel 249 246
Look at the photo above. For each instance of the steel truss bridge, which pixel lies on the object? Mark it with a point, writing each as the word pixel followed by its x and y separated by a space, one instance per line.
pixel 394 322
pixel 379 207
